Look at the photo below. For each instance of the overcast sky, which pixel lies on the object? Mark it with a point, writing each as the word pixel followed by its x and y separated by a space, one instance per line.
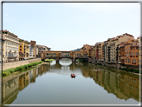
pixel 67 26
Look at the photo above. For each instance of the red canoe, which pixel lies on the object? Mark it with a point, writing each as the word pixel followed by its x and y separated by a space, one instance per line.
pixel 72 75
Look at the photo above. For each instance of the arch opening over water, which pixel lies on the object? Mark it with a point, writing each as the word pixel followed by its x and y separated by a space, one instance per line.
pixel 62 62
pixel 65 61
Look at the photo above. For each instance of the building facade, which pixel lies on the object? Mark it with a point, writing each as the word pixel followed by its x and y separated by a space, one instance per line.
pixel 86 48
pixel 10 46
pixel 107 50
pixel 23 49
pixel 42 48
pixel 113 47
pixel 129 53
pixel 100 51
pixel 32 49
pixel 96 50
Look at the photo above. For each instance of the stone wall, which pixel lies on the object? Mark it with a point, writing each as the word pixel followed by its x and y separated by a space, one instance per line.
pixel 19 63
pixel 118 66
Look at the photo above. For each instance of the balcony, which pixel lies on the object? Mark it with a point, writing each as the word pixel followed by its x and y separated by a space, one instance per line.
pixel 12 55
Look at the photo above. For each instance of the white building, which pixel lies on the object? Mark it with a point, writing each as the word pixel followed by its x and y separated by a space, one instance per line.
pixel 30 51
pixel 10 46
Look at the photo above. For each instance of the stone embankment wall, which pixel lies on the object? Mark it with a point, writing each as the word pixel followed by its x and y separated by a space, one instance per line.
pixel 19 63
pixel 118 66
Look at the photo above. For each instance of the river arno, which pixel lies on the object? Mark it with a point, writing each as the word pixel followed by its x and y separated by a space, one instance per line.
pixel 52 84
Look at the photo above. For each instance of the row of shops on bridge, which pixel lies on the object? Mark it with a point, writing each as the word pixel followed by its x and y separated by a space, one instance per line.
pixel 66 54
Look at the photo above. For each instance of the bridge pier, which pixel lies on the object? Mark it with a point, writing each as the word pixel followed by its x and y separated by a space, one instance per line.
pixel 74 60
pixel 89 60
pixel 57 60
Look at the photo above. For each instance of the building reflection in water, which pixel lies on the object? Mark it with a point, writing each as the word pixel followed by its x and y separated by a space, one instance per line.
pixel 122 84
pixel 15 83
pixel 10 90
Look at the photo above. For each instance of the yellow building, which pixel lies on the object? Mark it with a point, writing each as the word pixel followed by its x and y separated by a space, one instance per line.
pixel 23 49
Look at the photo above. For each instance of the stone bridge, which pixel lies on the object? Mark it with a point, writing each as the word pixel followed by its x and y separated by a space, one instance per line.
pixel 64 54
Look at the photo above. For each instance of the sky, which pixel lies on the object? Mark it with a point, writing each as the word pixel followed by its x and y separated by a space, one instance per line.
pixel 68 26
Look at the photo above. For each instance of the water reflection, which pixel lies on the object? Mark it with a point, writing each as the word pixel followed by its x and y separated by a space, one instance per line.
pixel 64 61
pixel 15 83
pixel 122 84
pixel 53 63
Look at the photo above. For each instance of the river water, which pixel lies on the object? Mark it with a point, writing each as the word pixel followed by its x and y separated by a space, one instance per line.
pixel 52 84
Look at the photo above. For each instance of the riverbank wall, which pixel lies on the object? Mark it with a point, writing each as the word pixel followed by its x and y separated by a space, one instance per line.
pixel 19 63
pixel 112 65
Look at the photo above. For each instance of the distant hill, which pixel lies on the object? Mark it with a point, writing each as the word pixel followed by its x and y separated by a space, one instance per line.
pixel 78 49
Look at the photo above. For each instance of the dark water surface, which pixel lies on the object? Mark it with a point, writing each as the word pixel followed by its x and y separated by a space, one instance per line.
pixel 52 84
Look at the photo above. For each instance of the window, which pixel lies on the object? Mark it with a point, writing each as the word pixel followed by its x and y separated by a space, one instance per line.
pixel 129 53
pixel 126 60
pixel 134 47
pixel 134 53
pixel 132 60
pixel 135 61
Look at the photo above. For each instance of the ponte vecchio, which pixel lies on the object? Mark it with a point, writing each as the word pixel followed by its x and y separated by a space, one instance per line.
pixel 64 54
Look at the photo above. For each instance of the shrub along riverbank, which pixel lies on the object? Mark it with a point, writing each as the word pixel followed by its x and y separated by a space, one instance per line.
pixel 81 60
pixel 20 68
pixel 49 60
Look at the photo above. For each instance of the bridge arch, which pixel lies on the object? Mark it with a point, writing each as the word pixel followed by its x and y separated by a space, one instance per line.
pixel 65 61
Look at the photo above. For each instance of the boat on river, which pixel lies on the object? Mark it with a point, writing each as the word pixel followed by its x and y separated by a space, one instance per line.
pixel 72 75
